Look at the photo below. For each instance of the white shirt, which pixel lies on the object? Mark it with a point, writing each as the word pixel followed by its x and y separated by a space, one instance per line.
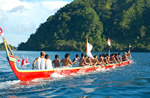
pixel 41 63
pixel 48 64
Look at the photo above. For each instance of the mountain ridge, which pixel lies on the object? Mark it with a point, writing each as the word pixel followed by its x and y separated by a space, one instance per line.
pixel 124 21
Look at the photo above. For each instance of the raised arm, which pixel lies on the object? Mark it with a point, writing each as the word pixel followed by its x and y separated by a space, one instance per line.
pixel 35 62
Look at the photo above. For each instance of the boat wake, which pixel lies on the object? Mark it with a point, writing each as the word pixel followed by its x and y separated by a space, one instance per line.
pixel 58 75
pixel 132 62
pixel 8 84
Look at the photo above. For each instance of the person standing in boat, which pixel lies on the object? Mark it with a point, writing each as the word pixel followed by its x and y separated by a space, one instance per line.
pixel 83 60
pixel 48 62
pixel 40 61
pixel 66 61
pixel 56 62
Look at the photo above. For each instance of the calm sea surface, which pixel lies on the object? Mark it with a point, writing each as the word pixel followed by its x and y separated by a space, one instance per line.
pixel 122 82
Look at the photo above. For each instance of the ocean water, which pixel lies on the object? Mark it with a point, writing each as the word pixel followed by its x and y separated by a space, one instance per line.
pixel 122 82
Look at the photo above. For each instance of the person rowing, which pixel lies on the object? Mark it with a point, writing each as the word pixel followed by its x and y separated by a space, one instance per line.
pixel 40 61
pixel 125 57
pixel 101 59
pixel 85 57
pixel 112 59
pixel 116 57
pixel 105 60
pixel 83 60
pixel 119 56
pixel 48 62
pixel 77 59
pixel 56 62
pixel 66 61
pixel 95 61
pixel 88 60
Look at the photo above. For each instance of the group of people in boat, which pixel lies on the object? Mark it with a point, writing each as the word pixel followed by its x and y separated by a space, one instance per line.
pixel 103 59
pixel 43 62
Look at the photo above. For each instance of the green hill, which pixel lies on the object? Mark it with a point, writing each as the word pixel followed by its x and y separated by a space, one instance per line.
pixel 2 47
pixel 124 21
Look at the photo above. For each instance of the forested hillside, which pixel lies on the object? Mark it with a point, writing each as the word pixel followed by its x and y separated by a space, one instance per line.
pixel 2 47
pixel 124 21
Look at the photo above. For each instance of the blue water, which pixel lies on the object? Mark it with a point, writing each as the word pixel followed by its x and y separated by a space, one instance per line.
pixel 122 82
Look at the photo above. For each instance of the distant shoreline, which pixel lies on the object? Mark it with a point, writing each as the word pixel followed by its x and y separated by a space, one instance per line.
pixel 74 51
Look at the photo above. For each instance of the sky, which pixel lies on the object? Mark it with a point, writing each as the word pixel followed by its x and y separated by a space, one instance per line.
pixel 20 18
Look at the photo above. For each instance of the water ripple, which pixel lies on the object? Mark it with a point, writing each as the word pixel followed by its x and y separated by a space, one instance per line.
pixel 123 82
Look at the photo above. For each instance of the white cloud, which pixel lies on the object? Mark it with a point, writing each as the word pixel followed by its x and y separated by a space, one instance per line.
pixel 18 9
pixel 22 17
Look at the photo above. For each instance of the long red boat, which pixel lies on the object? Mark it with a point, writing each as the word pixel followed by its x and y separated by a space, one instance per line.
pixel 28 75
